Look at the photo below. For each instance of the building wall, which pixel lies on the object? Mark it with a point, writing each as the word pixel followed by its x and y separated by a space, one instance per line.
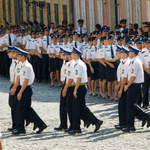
pixel 38 17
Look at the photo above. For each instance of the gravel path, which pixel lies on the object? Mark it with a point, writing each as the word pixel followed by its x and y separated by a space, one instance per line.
pixel 46 103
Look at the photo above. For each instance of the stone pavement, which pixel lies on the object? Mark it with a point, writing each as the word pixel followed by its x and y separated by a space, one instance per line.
pixel 46 103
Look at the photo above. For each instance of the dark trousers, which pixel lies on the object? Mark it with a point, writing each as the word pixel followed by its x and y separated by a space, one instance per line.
pixel 39 68
pixel 45 60
pixel 35 65
pixel 145 89
pixel 24 109
pixel 1 64
pixel 63 110
pixel 80 108
pixel 132 109
pixel 122 109
pixel 7 62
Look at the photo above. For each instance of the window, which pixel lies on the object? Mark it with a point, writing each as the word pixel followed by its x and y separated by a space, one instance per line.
pixel 137 6
pixel 64 12
pixel 92 20
pixel 77 9
pixel 56 14
pixel 4 10
pixel 100 12
pixel 9 8
pixel 48 13
pixel 34 9
pixel 16 11
pixel 83 11
pixel 128 11
pixel 41 14
pixel 148 11
pixel 27 12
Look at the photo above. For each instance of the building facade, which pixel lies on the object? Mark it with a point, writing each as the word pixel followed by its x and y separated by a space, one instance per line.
pixel 46 11
pixel 110 12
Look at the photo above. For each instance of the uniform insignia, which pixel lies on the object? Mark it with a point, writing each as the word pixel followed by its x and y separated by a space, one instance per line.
pixel 75 65
pixel 76 72
pixel 122 71
pixel 68 65
pixel 68 73
pixel 65 71
pixel 132 62
pixel 132 71
pixel 24 73
pixel 18 70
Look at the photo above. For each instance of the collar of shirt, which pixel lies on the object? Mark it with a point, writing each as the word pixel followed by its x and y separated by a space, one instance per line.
pixel 133 59
pixel 124 60
pixel 24 63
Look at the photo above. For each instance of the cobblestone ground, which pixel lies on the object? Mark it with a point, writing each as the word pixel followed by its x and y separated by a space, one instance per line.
pixel 46 104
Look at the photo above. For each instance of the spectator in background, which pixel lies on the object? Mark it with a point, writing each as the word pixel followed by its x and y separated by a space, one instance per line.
pixel 135 28
pixel 140 31
pixel 131 32
pixel 130 26
pixel 97 27
pixel 52 27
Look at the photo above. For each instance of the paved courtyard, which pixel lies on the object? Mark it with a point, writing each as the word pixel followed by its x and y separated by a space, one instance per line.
pixel 45 101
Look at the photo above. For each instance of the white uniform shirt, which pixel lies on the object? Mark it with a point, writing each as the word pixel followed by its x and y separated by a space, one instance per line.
pixel 38 45
pixel 107 52
pixel 98 42
pixel 51 49
pixel 119 71
pixel 124 68
pixel 71 45
pixel 63 71
pixel 11 70
pixel 51 31
pixel 84 31
pixel 135 69
pixel 17 70
pixel 145 53
pixel 140 56
pixel 65 45
pixel 5 39
pixel 26 72
pixel 80 71
pixel 99 52
pixel 85 52
pixel 70 70
pixel 92 53
pixel 57 48
pixel 24 40
pixel 85 44
pixel 45 42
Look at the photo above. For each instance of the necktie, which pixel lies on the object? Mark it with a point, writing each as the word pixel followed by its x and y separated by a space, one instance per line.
pixel 76 44
pixel 81 31
pixel 9 40
pixel 95 49
pixel 47 41
pixel 112 53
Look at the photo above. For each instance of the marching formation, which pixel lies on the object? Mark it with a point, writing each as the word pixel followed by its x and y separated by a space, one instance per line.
pixel 118 62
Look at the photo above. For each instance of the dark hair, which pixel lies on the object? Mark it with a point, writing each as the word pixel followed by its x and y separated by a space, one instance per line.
pixel 98 26
pixel 135 26
pixel 130 31
pixel 141 31
pixel 130 24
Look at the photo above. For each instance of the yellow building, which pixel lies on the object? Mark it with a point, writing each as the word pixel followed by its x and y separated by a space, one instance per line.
pixel 46 11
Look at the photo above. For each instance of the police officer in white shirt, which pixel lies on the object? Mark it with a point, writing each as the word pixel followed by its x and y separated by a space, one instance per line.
pixel 70 41
pixel 80 79
pixel 80 30
pixel 110 58
pixel 133 88
pixel 26 78
pixel 85 40
pixel 65 41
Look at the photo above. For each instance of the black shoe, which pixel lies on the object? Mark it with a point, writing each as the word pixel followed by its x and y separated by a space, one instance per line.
pixel 67 130
pixel 103 97
pixel 116 100
pixel 44 126
pixel 143 123
pixel 18 132
pixel 27 122
pixel 145 107
pixel 74 131
pixel 148 122
pixel 85 123
pixel 95 95
pixel 88 124
pixel 34 127
pixel 128 129
pixel 90 94
pixel 12 128
pixel 112 99
pixel 108 96
pixel 119 127
pixel 98 125
pixel 59 128
pixel 52 84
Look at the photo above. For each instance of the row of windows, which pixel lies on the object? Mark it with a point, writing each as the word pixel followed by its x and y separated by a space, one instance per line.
pixel 19 12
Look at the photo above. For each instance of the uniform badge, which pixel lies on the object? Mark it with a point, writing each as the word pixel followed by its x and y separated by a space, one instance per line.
pixel 132 71
pixel 122 71
pixel 24 73
pixel 18 70
pixel 68 73
pixel 76 72
pixel 65 71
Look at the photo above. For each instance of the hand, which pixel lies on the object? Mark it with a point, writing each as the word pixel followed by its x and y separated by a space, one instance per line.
pixel 92 70
pixel 75 93
pixel 120 93
pixel 12 91
pixel 111 65
pixel 60 89
pixel 125 88
pixel 40 56
pixel 64 92
pixel 19 96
